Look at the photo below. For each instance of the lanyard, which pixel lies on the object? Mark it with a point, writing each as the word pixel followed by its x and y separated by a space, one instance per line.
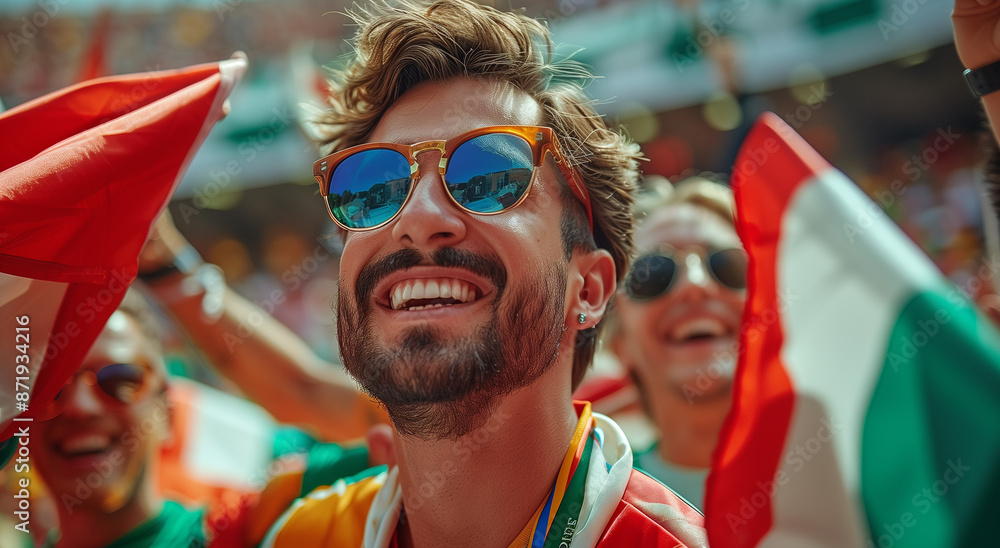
pixel 547 529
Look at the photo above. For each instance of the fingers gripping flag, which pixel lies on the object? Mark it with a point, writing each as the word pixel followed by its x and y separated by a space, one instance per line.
pixel 868 388
pixel 84 171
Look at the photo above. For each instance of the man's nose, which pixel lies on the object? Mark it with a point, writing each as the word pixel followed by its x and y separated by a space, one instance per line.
pixel 83 399
pixel 430 218
pixel 693 278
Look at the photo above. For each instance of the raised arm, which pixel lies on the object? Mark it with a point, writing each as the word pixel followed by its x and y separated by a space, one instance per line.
pixel 266 360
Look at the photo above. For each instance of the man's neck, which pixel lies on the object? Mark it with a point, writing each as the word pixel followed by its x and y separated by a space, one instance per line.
pixel 92 527
pixel 484 487
pixel 689 432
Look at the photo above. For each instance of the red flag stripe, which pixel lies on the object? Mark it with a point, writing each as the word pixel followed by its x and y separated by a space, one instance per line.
pixel 738 506
pixel 68 112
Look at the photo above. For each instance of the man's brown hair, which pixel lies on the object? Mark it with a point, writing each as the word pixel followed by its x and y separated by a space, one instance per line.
pixel 406 43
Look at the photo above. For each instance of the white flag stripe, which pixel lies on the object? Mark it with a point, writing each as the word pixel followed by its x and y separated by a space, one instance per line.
pixel 230 440
pixel 849 294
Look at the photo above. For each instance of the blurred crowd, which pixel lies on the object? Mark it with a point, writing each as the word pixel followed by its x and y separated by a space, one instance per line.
pixel 930 186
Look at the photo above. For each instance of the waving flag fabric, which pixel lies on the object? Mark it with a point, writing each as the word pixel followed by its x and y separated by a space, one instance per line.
pixel 84 172
pixel 867 397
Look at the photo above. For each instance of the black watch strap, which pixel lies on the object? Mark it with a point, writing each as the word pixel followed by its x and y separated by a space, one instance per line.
pixel 983 80
pixel 187 262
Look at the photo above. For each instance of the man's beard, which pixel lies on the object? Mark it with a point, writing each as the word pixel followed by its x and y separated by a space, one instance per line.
pixel 438 389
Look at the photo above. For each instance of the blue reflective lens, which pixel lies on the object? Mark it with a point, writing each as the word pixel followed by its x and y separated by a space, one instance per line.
pixel 369 187
pixel 490 173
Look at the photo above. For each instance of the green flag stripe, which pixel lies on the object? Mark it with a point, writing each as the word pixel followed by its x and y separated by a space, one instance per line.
pixel 931 435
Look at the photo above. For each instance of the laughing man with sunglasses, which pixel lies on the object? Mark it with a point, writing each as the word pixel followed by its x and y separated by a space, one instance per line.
pixel 486 220
pixel 677 321
pixel 97 444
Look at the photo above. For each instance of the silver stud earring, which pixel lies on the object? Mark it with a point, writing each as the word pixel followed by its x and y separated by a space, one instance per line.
pixel 582 318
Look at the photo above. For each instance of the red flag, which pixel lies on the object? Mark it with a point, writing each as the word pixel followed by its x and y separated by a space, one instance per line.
pixel 84 171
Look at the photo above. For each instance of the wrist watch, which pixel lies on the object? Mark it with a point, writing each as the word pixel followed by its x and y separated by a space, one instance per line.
pixel 186 262
pixel 200 278
pixel 984 79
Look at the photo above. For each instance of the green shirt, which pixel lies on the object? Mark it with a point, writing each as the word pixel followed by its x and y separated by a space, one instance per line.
pixel 174 527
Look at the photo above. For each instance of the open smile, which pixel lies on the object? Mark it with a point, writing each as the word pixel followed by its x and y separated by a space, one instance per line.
pixel 423 293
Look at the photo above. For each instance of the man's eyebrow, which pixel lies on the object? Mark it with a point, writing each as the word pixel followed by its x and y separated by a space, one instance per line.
pixel 405 140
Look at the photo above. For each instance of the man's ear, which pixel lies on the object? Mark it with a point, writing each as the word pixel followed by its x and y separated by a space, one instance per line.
pixel 590 287
pixel 381 446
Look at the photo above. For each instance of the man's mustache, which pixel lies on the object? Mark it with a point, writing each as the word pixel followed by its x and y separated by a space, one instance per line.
pixel 487 266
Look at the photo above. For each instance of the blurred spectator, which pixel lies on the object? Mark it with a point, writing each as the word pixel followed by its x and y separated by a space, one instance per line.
pixel 677 324
pixel 99 448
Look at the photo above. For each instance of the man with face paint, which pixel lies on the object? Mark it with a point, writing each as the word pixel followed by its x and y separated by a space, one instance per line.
pixel 677 324
pixel 486 220
pixel 99 443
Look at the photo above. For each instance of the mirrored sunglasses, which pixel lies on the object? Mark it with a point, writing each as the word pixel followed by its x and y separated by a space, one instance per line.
pixel 118 384
pixel 653 274
pixel 485 171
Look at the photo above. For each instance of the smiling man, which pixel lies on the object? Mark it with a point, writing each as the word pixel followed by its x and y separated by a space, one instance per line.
pixel 487 222
pixel 99 441
pixel 678 324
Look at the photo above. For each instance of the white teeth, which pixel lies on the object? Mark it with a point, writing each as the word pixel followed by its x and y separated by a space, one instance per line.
pixel 418 290
pixel 85 444
pixel 438 305
pixel 700 326
pixel 409 290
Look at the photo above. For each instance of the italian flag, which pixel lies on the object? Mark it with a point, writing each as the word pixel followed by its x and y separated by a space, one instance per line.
pixel 84 172
pixel 866 411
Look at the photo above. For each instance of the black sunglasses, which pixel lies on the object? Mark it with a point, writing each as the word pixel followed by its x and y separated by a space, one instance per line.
pixel 118 384
pixel 653 274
